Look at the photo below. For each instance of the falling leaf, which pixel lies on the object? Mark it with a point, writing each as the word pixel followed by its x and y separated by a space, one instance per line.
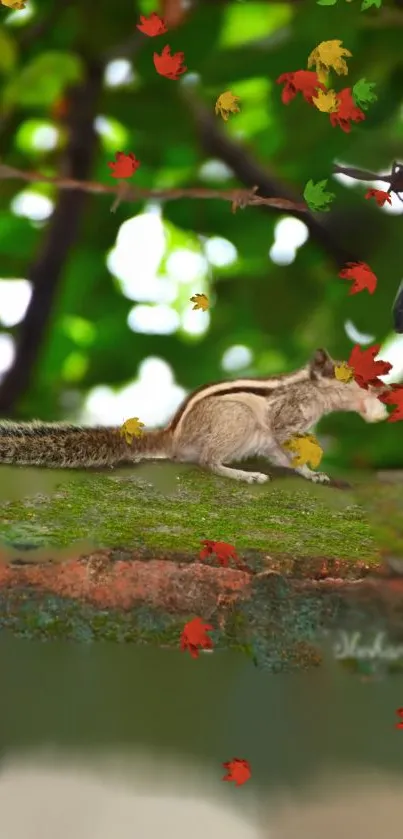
pixel 366 4
pixel 329 55
pixel 194 636
pixel 366 369
pixel 316 196
pixel 227 104
pixel 326 102
pixel 125 165
pixel 152 26
pixel 363 94
pixel 170 66
pixel 394 397
pixel 200 302
pixel 306 448
pixel 362 275
pixel 343 373
pixel 61 108
pixel 346 112
pixel 238 770
pixel 399 712
pixel 301 81
pixel 222 550
pixel 131 428
pixel 380 196
pixel 13 4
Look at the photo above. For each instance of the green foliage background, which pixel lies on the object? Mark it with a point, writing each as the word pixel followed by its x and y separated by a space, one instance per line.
pixel 281 312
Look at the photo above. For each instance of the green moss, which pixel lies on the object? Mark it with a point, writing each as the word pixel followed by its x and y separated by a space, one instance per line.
pixel 53 618
pixel 163 507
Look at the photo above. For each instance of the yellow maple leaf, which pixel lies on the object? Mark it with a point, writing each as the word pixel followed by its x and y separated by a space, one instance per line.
pixel 306 448
pixel 329 55
pixel 326 102
pixel 227 104
pixel 13 4
pixel 131 428
pixel 343 372
pixel 200 302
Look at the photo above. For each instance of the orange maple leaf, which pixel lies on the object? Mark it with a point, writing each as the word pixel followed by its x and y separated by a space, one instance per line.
pixel 194 636
pixel 301 81
pixel 380 196
pixel 366 369
pixel 169 65
pixel 125 165
pixel 347 111
pixel 362 275
pixel 394 397
pixel 238 770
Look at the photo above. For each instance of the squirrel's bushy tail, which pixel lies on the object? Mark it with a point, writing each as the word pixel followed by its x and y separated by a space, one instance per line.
pixel 75 447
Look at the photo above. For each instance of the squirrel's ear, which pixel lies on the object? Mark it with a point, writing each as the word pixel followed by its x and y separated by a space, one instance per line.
pixel 321 364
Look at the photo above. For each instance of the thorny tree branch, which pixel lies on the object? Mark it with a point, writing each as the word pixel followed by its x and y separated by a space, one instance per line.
pixel 237 197
pixel 248 171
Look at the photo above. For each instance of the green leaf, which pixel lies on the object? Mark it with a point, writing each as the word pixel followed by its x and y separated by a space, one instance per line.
pixel 326 2
pixel 363 94
pixel 366 4
pixel 316 196
pixel 44 79
pixel 8 51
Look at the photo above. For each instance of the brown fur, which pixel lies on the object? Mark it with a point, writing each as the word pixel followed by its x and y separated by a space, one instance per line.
pixel 239 420
pixel 70 446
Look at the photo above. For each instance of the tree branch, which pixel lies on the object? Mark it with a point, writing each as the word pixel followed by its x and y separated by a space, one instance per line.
pixel 395 181
pixel 394 178
pixel 248 171
pixel 359 174
pixel 237 197
pixel 62 233
pixel 398 311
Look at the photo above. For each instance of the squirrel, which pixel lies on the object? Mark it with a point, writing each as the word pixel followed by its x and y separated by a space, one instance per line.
pixel 216 424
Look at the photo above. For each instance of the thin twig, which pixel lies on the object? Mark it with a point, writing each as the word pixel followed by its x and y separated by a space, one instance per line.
pixel 237 197
pixel 360 174
pixel 394 178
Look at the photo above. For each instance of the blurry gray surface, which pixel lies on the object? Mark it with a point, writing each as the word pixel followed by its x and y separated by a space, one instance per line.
pixel 112 737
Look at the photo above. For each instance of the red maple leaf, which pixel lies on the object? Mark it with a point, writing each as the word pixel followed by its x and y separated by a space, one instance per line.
pixel 362 275
pixel 394 396
pixel 399 712
pixel 153 25
pixel 169 65
pixel 125 165
pixel 222 550
pixel 302 81
pixel 347 111
pixel 238 770
pixel 194 636
pixel 380 196
pixel 366 369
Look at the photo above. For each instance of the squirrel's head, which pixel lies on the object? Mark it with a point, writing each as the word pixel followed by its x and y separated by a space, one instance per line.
pixel 352 397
